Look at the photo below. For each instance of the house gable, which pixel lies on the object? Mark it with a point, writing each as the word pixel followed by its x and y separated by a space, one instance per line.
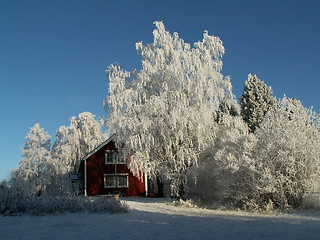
pixel 102 145
pixel 106 177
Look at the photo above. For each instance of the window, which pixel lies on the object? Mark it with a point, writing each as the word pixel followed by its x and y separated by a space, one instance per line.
pixel 121 160
pixel 113 157
pixel 110 180
pixel 123 180
pixel 110 157
pixel 120 180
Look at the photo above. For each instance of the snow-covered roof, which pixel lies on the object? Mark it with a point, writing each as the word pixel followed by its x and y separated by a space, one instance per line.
pixel 98 148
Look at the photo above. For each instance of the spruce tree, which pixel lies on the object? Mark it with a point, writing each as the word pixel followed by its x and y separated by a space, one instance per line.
pixel 255 101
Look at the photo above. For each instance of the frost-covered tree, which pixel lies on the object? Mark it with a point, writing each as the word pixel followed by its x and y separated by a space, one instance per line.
pixel 288 154
pixel 225 176
pixel 255 101
pixel 274 167
pixel 72 143
pixel 228 106
pixel 35 166
pixel 165 113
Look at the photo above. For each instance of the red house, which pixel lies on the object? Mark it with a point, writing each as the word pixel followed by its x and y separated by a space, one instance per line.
pixel 104 172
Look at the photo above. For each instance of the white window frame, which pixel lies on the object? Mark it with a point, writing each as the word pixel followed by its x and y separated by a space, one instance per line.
pixel 121 159
pixel 127 182
pixel 114 180
pixel 114 156
pixel 116 183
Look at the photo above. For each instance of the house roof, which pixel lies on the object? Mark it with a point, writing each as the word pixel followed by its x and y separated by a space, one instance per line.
pixel 98 147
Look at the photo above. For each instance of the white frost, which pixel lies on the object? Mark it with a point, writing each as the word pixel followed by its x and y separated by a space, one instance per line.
pixel 159 219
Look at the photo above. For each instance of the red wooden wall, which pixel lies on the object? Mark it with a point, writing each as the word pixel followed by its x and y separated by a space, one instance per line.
pixel 96 168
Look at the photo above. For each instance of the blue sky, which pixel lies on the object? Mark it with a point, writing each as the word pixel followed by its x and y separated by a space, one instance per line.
pixel 53 54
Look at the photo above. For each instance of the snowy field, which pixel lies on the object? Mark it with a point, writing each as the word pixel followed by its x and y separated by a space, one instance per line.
pixel 160 219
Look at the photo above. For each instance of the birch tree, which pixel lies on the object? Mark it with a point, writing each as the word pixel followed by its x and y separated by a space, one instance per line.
pixel 288 153
pixel 164 114
pixel 35 165
pixel 72 143
pixel 226 175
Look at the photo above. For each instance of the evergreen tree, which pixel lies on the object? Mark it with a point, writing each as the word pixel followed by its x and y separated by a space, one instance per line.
pixel 255 101
pixel 228 106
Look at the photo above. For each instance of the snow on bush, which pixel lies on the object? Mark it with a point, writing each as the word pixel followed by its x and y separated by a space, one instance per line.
pixel 311 200
pixel 185 203
pixel 13 202
pixel 273 168
pixel 288 154
pixel 225 175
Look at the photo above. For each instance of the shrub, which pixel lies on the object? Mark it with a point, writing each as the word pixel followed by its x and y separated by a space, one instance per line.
pixel 14 203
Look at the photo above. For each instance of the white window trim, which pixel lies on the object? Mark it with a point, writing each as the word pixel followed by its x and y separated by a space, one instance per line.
pixel 114 156
pixel 121 160
pixel 116 180
pixel 127 183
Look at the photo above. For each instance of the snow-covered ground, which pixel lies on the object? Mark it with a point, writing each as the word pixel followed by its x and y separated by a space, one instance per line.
pixel 160 219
